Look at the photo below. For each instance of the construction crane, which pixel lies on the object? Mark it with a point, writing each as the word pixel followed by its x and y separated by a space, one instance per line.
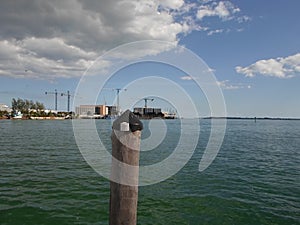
pixel 69 96
pixel 118 99
pixel 55 97
pixel 148 99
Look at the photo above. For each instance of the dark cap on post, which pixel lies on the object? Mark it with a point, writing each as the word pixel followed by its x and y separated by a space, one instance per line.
pixel 128 117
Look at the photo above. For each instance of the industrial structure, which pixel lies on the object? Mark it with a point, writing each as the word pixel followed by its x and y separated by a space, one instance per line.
pixel 95 111
pixel 148 113
pixel 55 97
pixel 104 111
pixel 55 93
pixel 69 96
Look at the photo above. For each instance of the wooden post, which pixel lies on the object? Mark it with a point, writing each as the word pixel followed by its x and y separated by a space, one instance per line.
pixel 125 138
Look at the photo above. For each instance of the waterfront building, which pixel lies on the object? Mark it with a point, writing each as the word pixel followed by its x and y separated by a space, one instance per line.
pixel 147 112
pixel 101 110
pixel 85 110
pixel 139 111
pixel 91 110
pixel 111 110
pixel 157 111
pixel 4 107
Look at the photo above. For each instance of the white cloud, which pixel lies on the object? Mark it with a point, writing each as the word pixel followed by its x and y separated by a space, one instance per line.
pixel 243 19
pixel 223 10
pixel 226 85
pixel 42 58
pixel 186 78
pixel 172 4
pixel 278 67
pixel 56 49
pixel 218 31
pixel 53 39
pixel 211 70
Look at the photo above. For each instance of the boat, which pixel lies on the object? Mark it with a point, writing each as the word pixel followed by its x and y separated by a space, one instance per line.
pixel 169 115
pixel 18 115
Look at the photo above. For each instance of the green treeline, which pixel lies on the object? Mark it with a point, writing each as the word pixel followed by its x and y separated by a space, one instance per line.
pixel 28 109
pixel 25 106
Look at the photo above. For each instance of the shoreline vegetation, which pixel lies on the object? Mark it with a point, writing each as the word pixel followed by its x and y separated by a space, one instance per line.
pixel 252 118
pixel 52 117
pixel 23 109
pixel 34 118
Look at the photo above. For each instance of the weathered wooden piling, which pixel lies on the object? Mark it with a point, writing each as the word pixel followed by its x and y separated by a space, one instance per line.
pixel 126 135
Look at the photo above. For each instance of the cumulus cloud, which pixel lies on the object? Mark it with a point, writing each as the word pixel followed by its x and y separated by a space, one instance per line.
pixel 50 39
pixel 279 67
pixel 226 85
pixel 89 24
pixel 172 4
pixel 223 10
pixel 42 58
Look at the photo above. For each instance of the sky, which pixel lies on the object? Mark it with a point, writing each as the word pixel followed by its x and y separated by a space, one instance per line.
pixel 250 47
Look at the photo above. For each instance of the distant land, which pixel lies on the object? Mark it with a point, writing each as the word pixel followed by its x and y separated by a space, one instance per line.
pixel 251 118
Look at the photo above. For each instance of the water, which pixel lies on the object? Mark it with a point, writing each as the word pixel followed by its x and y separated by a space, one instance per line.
pixel 254 179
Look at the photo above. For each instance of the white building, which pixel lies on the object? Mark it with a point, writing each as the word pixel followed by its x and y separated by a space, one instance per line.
pixel 91 110
pixel 4 107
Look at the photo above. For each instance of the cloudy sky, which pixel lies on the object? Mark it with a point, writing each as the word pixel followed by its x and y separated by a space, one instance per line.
pixel 252 47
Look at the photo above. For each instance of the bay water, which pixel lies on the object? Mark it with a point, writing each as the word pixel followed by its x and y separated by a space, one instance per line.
pixel 254 179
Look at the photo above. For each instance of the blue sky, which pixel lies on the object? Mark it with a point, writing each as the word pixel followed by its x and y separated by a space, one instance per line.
pixel 252 47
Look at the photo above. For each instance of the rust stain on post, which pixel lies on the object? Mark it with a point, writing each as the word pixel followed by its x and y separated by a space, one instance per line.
pixel 125 138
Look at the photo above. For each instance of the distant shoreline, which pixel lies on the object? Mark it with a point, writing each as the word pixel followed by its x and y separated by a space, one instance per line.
pixel 251 118
pixel 202 118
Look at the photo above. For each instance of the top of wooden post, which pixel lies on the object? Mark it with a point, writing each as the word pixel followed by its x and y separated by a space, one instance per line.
pixel 127 118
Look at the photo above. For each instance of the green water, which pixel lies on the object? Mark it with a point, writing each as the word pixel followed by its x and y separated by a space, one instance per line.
pixel 255 178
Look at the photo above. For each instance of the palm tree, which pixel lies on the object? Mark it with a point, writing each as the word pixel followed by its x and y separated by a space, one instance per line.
pixel 14 104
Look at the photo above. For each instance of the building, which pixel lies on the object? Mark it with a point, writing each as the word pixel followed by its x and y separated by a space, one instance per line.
pixel 111 110
pixel 4 107
pixel 101 110
pixel 147 112
pixel 85 110
pixel 139 111
pixel 98 110
pixel 157 111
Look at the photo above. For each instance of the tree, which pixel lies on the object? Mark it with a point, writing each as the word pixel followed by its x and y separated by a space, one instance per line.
pixel 32 105
pixel 14 104
pixel 39 106
pixel 24 106
pixel 20 105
